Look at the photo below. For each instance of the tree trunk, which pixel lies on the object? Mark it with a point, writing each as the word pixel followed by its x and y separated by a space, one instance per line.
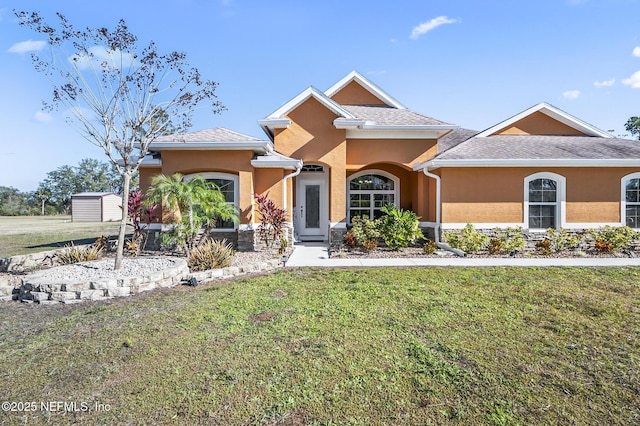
pixel 42 214
pixel 126 177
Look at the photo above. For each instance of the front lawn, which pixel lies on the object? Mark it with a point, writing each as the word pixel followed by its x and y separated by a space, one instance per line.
pixel 395 346
pixel 32 234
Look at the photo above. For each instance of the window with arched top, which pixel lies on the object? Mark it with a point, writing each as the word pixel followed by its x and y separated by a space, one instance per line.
pixel 544 198
pixel 228 186
pixel 630 200
pixel 369 191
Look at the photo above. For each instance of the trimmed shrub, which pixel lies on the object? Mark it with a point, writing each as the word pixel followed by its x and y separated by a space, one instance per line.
pixel 544 247
pixel 430 247
pixel 618 237
pixel 213 254
pixel 349 240
pixel 562 240
pixel 399 228
pixel 508 240
pixel 364 229
pixel 496 245
pixel 603 246
pixel 369 245
pixel 469 240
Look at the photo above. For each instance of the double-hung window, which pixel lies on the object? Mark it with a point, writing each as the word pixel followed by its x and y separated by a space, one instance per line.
pixel 544 200
pixel 631 200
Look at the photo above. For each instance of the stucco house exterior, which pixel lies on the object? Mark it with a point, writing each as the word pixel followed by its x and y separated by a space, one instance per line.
pixel 330 155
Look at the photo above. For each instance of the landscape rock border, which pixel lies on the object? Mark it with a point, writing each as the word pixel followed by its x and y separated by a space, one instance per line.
pixel 40 288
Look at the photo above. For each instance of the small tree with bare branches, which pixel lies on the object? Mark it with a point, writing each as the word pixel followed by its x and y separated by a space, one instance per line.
pixel 120 97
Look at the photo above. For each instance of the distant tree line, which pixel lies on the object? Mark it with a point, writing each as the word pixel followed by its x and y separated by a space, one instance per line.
pixel 53 195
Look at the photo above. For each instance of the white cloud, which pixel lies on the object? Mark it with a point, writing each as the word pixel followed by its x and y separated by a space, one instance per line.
pixel 571 94
pixel 633 81
pixel 27 46
pixel 636 51
pixel 425 27
pixel 605 83
pixel 100 54
pixel 42 117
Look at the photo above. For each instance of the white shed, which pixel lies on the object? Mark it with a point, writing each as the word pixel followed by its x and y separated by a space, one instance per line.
pixel 96 207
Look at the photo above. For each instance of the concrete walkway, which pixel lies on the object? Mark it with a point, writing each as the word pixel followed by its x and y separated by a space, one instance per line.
pixel 316 254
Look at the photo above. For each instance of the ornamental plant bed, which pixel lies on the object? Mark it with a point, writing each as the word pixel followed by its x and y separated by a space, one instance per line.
pixel 418 252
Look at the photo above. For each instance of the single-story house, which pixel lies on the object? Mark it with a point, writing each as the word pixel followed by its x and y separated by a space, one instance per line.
pixel 354 148
pixel 96 207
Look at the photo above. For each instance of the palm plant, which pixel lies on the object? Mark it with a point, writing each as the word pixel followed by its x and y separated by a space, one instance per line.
pixel 201 201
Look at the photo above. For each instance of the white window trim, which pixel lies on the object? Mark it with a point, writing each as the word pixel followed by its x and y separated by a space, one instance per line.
pixel 561 194
pixel 396 186
pixel 623 196
pixel 236 191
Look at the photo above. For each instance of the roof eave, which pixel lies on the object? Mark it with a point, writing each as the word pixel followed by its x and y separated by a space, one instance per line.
pixel 368 131
pixel 269 125
pixel 275 123
pixel 256 146
pixel 412 127
pixel 277 164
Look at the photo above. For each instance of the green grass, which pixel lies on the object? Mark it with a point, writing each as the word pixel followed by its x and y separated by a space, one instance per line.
pixel 31 234
pixel 496 346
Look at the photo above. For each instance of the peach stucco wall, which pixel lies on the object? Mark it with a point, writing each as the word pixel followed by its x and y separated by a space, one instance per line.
pixel 361 152
pixel 354 94
pixel 146 174
pixel 538 124
pixel 232 162
pixel 312 137
pixel 496 195
pixel 269 181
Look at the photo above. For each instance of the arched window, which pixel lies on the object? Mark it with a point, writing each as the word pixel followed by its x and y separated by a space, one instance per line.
pixel 369 191
pixel 228 185
pixel 544 198
pixel 630 200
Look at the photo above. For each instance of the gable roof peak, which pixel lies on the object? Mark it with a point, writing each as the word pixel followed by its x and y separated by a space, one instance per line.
pixel 367 85
pixel 553 112
pixel 309 92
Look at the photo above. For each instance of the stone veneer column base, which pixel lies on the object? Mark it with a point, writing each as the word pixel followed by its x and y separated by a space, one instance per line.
pixel 246 239
pixel 336 235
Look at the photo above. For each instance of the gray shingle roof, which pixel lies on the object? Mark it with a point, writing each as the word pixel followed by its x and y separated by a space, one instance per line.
pixel 217 134
pixel 454 138
pixel 389 116
pixel 543 147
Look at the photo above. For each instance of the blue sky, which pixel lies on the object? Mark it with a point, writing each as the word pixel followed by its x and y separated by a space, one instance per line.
pixel 466 62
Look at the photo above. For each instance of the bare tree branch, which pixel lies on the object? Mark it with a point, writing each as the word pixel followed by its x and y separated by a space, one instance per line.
pixel 120 97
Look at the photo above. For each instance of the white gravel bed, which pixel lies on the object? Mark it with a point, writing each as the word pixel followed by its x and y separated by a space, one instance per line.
pixel 103 269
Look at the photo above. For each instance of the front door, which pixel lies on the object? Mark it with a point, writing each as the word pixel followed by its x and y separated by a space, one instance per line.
pixel 312 201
